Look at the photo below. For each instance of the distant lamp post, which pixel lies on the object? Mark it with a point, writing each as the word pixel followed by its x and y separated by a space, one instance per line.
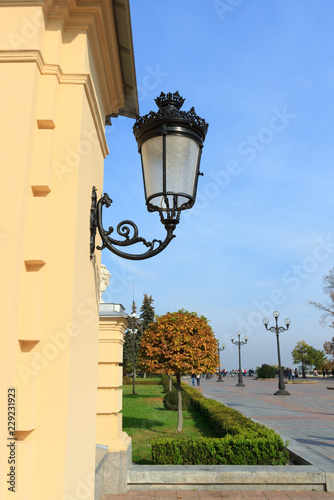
pixel 278 329
pixel 301 351
pixel 239 343
pixel 220 378
pixel 133 320
pixel 170 142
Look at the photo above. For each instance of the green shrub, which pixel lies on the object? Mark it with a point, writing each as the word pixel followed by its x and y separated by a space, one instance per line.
pixel 241 441
pixel 170 400
pixel 142 381
pixel 165 382
pixel 223 420
pixel 230 450
pixel 266 371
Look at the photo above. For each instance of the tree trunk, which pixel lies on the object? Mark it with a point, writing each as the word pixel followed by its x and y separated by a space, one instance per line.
pixel 179 404
pixel 170 384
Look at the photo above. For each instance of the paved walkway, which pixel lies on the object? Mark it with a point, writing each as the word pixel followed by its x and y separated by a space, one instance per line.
pixel 307 416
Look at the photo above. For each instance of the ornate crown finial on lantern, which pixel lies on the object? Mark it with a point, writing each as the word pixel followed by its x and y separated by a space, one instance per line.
pixel 169 100
pixel 169 110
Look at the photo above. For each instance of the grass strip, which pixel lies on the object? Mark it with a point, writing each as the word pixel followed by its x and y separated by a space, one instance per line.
pixel 145 419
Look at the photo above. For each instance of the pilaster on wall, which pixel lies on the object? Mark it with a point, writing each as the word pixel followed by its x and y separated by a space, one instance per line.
pixel 112 325
pixel 61 76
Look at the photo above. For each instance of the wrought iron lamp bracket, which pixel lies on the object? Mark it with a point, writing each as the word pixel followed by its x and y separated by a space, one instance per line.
pixel 239 342
pixel 124 229
pixel 277 329
pixel 271 329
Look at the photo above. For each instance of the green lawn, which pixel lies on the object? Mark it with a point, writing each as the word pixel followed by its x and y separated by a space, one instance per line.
pixel 145 419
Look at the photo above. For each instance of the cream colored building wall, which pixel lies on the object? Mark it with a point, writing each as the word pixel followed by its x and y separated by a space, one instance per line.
pixel 54 66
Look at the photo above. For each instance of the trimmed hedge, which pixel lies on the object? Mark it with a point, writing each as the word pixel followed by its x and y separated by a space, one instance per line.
pixel 129 381
pixel 165 382
pixel 170 400
pixel 241 441
pixel 230 450
pixel 266 371
pixel 223 420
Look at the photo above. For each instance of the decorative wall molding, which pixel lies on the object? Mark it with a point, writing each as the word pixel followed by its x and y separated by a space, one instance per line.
pixel 35 56
pixel 108 28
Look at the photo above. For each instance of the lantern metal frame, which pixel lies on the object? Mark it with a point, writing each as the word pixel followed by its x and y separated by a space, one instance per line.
pixel 168 120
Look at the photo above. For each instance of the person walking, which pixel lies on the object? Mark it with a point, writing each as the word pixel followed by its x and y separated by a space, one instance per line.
pixel 193 379
pixel 198 378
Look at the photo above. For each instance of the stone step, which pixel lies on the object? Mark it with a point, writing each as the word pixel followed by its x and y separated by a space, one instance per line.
pixel 225 477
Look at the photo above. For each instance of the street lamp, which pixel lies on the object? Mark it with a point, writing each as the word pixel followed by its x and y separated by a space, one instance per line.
pixel 301 352
pixel 170 142
pixel 239 343
pixel 133 323
pixel 278 329
pixel 220 379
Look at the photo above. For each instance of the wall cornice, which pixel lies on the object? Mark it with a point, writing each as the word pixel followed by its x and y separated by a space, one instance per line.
pixel 108 27
pixel 35 56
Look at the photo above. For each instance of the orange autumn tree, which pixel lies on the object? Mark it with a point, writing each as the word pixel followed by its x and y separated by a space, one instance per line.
pixel 179 342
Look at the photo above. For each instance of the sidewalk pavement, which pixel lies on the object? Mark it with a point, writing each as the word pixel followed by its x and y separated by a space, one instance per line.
pixel 306 416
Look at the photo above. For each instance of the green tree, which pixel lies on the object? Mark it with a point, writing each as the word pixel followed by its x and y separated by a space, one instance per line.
pixel 147 314
pixel 317 358
pixel 133 334
pixel 311 357
pixel 131 343
pixel 179 342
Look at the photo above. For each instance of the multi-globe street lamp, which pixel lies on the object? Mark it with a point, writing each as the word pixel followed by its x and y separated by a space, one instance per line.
pixel 278 329
pixel 239 343
pixel 220 378
pixel 301 351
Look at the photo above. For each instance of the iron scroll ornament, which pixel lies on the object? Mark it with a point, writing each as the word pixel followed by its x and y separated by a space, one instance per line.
pixel 124 229
pixel 278 329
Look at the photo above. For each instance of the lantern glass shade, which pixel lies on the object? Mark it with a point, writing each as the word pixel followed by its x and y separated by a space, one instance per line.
pixel 170 169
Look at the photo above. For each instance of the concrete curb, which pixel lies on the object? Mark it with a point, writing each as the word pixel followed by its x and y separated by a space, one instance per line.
pixel 312 475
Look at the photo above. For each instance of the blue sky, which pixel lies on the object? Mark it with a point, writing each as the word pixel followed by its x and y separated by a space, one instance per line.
pixel 260 236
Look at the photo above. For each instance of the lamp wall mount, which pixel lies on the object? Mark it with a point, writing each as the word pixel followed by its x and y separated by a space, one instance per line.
pixel 127 229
